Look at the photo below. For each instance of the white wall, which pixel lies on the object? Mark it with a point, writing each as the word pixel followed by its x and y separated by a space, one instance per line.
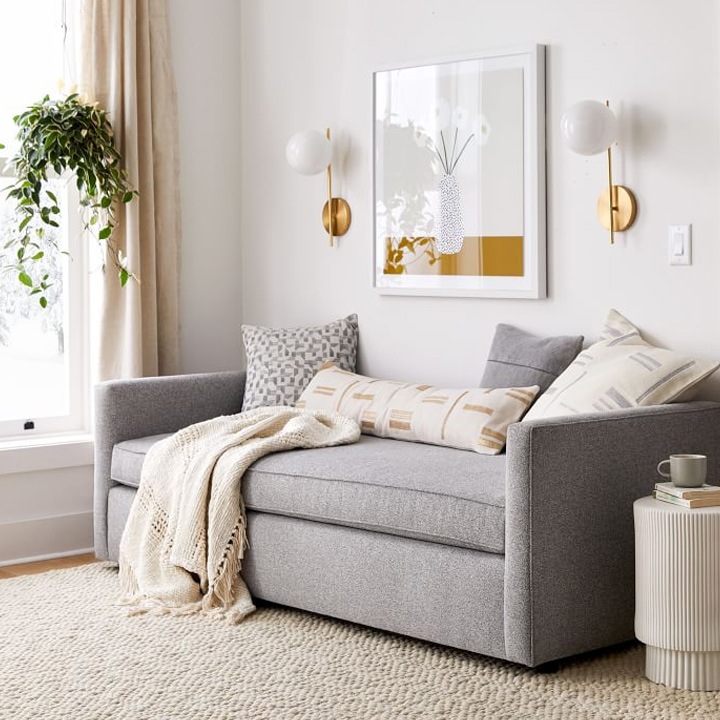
pixel 207 60
pixel 309 64
pixel 46 501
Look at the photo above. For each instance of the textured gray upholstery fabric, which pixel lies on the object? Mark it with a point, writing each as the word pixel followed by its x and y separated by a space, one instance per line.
pixel 126 409
pixel 435 592
pixel 571 483
pixel 128 458
pixel 440 593
pixel 282 361
pixel 431 493
pixel 120 499
pixel 518 358
pixel 565 584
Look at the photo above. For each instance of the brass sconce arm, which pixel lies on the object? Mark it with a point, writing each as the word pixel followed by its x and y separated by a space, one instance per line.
pixel 589 128
pixel 309 152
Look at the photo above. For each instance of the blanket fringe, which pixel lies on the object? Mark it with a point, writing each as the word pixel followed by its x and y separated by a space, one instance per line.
pixel 222 587
pixel 128 581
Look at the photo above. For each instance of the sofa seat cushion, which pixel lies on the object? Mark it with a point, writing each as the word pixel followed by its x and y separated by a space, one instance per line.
pixel 426 492
pixel 127 459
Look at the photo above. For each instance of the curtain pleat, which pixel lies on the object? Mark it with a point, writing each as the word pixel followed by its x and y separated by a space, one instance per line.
pixel 124 61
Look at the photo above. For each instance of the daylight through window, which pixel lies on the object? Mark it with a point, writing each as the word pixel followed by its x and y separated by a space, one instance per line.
pixel 42 359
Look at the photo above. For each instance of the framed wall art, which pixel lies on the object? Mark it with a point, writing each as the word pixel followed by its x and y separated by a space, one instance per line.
pixel 459 176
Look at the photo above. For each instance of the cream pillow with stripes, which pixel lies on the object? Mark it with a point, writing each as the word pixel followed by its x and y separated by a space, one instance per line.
pixel 469 419
pixel 620 371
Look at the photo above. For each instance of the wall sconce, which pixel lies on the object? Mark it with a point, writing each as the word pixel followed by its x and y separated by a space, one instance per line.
pixel 589 128
pixel 310 152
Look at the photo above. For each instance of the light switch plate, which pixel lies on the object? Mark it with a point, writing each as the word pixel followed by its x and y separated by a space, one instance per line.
pixel 680 244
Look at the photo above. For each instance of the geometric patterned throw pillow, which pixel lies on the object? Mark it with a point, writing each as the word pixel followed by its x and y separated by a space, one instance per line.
pixel 282 361
pixel 470 419
pixel 622 370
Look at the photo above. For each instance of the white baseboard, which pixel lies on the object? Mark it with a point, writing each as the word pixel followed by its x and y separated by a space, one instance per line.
pixel 46 538
pixel 48 556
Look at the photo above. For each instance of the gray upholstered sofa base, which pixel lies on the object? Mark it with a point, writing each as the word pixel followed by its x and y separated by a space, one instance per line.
pixel 527 557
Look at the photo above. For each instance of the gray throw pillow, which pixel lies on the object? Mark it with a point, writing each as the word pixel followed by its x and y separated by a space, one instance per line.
pixel 519 359
pixel 281 362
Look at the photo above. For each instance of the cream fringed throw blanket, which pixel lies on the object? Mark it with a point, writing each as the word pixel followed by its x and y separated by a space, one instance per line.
pixel 185 538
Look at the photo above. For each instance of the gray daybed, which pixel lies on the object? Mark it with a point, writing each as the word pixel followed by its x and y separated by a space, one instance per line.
pixel 526 556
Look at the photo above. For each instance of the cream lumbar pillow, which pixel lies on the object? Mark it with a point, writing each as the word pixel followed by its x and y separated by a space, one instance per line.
pixel 470 419
pixel 620 371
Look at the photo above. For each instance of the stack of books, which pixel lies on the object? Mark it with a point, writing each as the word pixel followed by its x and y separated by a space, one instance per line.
pixel 703 496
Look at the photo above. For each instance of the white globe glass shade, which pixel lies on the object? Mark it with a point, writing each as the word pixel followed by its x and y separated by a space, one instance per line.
pixel 589 127
pixel 309 152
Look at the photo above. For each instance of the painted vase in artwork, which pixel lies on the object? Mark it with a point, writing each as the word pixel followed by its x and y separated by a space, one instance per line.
pixel 450 234
pixel 449 239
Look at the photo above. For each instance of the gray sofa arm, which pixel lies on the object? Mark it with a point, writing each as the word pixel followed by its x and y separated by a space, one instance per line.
pixel 128 409
pixel 571 482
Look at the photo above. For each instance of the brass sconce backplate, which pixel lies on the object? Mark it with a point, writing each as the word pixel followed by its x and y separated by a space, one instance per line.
pixel 341 217
pixel 624 208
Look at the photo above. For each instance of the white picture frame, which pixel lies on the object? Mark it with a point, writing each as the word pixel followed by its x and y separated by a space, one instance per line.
pixel 493 103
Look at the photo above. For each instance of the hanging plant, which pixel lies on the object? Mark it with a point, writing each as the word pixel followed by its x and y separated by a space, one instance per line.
pixel 65 135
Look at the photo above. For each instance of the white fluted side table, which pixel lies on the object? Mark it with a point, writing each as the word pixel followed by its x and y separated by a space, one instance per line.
pixel 677 593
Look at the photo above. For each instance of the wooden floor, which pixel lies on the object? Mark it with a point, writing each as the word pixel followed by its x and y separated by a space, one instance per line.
pixel 11 571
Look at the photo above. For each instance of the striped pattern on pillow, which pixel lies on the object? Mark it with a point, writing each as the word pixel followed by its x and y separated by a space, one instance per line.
pixel 470 419
pixel 622 370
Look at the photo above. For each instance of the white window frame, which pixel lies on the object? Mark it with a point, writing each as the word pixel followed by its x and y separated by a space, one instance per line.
pixel 77 333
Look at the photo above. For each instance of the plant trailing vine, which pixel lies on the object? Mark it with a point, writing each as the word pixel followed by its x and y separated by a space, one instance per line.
pixel 61 135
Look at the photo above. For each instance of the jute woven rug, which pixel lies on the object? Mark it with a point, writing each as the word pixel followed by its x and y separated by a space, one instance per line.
pixel 66 651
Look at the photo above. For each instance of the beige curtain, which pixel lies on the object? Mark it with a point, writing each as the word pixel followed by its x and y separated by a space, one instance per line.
pixel 124 60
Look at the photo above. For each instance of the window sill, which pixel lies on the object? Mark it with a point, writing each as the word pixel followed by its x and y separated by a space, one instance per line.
pixel 46 453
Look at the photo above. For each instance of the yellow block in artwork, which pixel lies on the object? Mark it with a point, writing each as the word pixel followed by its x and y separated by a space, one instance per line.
pixel 486 256
pixel 502 256
pixel 481 256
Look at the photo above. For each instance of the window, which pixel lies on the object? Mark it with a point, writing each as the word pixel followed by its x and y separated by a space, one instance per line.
pixel 43 364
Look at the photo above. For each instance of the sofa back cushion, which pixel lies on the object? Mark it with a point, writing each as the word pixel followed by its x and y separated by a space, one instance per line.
pixel 466 418
pixel 518 358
